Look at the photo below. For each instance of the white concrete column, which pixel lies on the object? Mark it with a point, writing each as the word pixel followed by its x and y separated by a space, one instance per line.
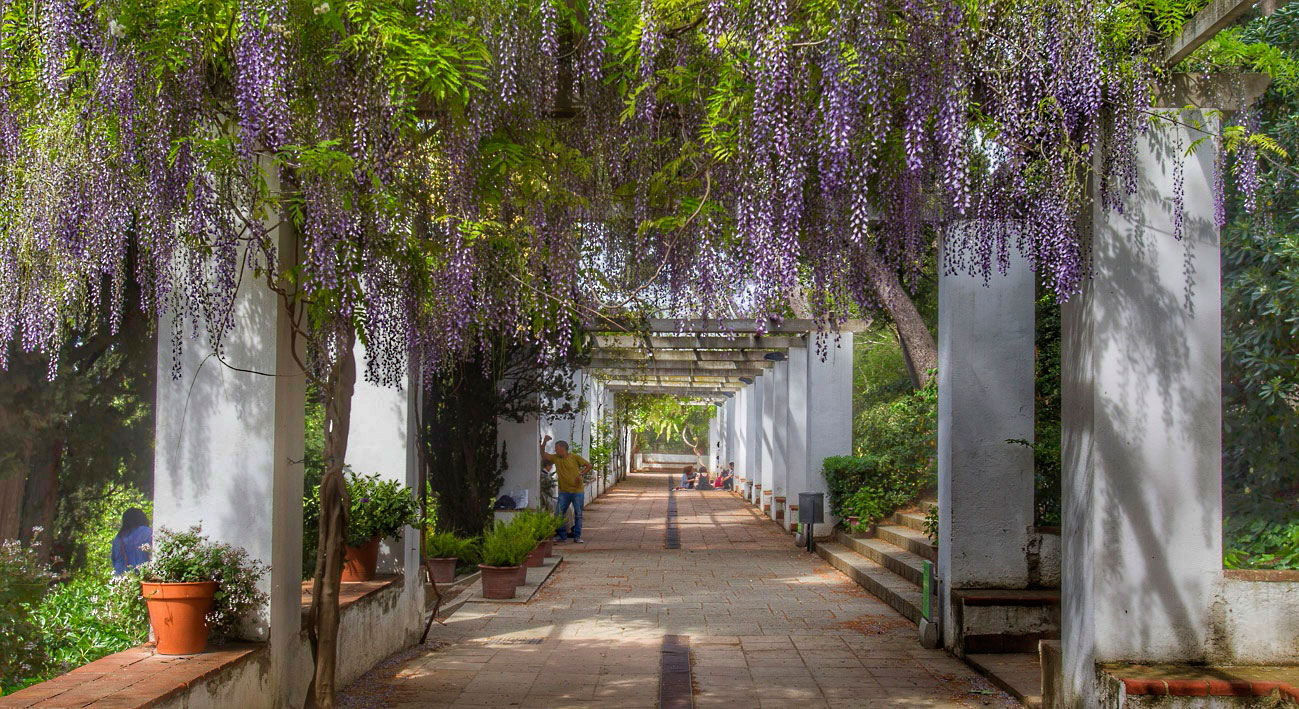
pixel 518 441
pixel 741 435
pixel 796 458
pixel 829 413
pixel 714 435
pixel 228 453
pixel 755 436
pixel 384 439
pixel 985 399
pixel 779 437
pixel 767 431
pixel 1141 380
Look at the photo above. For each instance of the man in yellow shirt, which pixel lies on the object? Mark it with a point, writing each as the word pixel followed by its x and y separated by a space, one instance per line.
pixel 570 468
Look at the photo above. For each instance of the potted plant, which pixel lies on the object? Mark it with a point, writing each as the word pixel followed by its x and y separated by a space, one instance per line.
pixel 379 509
pixel 442 551
pixel 193 587
pixel 503 551
pixel 541 527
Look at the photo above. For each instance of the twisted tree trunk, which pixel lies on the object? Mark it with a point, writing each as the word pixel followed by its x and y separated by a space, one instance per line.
pixel 334 505
pixel 918 346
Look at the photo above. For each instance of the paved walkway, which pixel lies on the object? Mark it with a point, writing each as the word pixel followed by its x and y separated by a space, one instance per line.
pixel 767 625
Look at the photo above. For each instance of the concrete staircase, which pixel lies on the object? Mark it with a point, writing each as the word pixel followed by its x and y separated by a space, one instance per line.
pixel 890 563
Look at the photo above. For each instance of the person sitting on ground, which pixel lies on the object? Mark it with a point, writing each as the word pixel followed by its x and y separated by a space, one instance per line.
pixel 689 479
pixel 701 478
pixel 724 479
pixel 570 469
pixel 131 545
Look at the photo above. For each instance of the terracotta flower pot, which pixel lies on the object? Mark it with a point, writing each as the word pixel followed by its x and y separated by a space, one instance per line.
pixel 537 557
pixel 499 582
pixel 359 562
pixel 549 547
pixel 441 570
pixel 523 574
pixel 852 524
pixel 178 614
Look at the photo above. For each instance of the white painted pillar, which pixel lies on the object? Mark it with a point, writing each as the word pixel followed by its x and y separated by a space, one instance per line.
pixel 779 437
pixel 728 448
pixel 713 436
pixel 829 413
pixel 741 435
pixel 767 431
pixel 755 439
pixel 1142 440
pixel 228 451
pixel 384 440
pixel 985 399
pixel 518 442
pixel 796 458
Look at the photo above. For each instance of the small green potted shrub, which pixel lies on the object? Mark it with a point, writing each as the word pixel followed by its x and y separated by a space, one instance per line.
pixel 193 587
pixel 503 551
pixel 540 527
pixel 865 508
pixel 379 509
pixel 442 551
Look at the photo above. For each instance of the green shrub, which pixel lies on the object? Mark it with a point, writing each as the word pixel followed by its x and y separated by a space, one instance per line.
pixel 88 618
pixel 1264 536
pixel 867 505
pixel 382 507
pixel 446 545
pixel 539 524
pixel 506 545
pixel 24 581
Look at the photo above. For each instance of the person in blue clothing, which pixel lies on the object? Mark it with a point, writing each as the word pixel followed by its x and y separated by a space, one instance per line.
pixel 131 545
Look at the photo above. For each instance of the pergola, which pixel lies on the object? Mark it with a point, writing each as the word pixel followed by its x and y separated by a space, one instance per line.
pixel 705 360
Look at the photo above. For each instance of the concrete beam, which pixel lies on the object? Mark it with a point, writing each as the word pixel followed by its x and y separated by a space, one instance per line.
pixel 623 372
pixel 670 326
pixel 687 355
pixel 1208 22
pixel 704 342
pixel 603 362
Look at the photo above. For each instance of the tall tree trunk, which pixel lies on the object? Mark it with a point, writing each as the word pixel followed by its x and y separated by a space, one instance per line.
pixel 917 342
pixel 11 505
pixel 334 506
pixel 41 496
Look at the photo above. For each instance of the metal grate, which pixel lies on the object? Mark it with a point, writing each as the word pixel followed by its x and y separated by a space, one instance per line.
pixel 514 641
pixel 675 681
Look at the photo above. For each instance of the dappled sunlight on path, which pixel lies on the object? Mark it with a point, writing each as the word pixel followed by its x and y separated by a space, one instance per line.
pixel 767 624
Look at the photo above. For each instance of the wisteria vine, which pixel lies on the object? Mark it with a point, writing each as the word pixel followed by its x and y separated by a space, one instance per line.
pixel 462 172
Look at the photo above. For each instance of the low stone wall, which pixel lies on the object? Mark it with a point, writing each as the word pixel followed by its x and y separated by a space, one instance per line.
pixel 378 619
pixel 1256 618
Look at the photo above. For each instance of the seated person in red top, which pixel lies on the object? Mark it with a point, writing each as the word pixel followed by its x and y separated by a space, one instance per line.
pixel 726 481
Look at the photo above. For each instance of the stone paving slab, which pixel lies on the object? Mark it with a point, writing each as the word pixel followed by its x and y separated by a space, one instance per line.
pixel 768 624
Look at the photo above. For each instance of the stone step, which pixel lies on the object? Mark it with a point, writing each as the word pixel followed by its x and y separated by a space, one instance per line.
pixel 926 504
pixel 899 561
pixel 914 520
pixel 879 581
pixel 907 539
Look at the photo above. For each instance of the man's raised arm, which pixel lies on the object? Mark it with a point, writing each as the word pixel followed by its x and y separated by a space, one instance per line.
pixel 544 455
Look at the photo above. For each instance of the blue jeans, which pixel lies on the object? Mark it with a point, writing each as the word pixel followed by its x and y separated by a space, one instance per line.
pixel 561 506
